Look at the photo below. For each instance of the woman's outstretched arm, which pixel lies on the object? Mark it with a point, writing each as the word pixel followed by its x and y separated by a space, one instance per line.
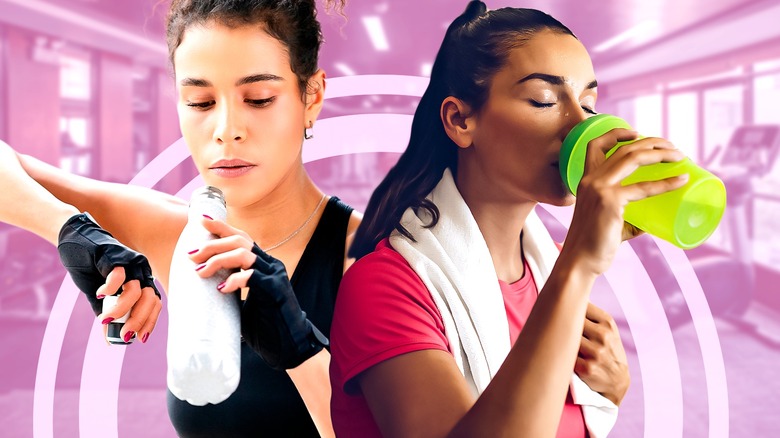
pixel 145 220
pixel 97 262
pixel 26 204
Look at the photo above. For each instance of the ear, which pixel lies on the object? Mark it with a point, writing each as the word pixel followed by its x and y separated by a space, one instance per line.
pixel 458 121
pixel 314 97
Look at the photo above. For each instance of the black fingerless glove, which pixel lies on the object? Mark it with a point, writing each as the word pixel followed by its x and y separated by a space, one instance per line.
pixel 89 253
pixel 272 322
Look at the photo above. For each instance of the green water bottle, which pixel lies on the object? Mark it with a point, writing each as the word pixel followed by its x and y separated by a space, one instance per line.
pixel 686 216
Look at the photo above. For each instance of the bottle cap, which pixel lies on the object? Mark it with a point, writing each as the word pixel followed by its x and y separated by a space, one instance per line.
pixel 210 192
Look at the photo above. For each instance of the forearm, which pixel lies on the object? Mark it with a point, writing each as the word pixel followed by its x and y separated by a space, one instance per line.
pixel 141 218
pixel 26 204
pixel 528 393
pixel 311 379
pixel 81 192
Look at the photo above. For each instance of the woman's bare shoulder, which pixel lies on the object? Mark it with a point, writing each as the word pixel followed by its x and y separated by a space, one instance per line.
pixel 354 223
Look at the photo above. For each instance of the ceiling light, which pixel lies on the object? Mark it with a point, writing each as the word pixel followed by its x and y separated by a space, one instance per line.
pixel 376 33
pixel 344 68
pixel 426 69
pixel 643 28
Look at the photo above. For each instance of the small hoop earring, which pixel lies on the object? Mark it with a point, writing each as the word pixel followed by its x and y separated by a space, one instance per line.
pixel 306 134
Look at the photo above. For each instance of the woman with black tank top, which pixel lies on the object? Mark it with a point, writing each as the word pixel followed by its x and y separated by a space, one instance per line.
pixel 249 93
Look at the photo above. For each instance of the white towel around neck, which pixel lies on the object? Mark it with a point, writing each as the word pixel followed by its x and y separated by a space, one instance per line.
pixel 454 263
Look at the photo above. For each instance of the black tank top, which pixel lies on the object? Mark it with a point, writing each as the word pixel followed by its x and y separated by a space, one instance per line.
pixel 266 402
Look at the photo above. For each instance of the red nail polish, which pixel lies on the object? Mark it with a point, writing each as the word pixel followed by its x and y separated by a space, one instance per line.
pixel 201 266
pixel 208 217
pixel 193 251
pixel 221 286
pixel 129 335
pixel 107 320
pixel 146 336
pixel 100 297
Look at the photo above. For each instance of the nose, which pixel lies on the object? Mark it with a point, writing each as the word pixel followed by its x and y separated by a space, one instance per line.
pixel 572 115
pixel 230 126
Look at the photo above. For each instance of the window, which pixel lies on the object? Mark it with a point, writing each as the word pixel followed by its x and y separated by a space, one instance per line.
pixel 649 118
pixel 75 77
pixel 144 115
pixel 74 143
pixel 682 117
pixel 766 95
pixel 643 113
pixel 77 139
pixel 765 66
pixel 722 114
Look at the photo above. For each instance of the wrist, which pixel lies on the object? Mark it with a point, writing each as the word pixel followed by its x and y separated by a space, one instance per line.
pixel 576 266
pixel 616 396
pixel 64 214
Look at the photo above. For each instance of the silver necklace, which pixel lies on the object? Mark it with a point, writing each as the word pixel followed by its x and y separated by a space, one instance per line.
pixel 298 230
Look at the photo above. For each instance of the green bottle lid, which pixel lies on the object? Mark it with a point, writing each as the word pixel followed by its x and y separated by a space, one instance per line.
pixel 685 216
pixel 574 148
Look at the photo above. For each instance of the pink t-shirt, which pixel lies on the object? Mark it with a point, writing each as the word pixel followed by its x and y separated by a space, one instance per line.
pixel 384 310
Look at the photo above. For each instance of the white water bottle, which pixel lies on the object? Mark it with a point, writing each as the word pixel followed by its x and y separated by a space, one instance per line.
pixel 204 325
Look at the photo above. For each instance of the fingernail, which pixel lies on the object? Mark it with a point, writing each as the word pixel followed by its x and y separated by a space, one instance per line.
pixel 193 251
pixel 100 297
pixel 107 320
pixel 221 286
pixel 208 217
pixel 146 336
pixel 201 266
pixel 129 335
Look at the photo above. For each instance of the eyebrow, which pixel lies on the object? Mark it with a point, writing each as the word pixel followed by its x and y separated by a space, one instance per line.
pixel 262 77
pixel 259 78
pixel 555 80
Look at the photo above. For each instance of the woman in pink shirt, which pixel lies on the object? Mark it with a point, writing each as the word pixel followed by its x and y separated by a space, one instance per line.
pixel 438 329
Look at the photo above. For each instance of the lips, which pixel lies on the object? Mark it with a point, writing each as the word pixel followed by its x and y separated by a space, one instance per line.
pixel 231 168
pixel 230 163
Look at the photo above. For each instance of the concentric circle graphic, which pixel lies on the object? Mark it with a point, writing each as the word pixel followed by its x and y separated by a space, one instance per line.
pixel 658 361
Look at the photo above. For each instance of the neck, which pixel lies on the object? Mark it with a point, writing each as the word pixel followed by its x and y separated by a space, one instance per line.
pixel 274 217
pixel 500 221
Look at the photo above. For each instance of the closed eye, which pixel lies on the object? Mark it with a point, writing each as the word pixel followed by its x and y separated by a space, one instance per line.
pixel 201 105
pixel 260 103
pixel 538 104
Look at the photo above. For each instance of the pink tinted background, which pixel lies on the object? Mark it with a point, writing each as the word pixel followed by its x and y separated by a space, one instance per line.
pixel 84 85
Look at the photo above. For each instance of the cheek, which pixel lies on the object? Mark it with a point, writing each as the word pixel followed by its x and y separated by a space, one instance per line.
pixel 508 138
pixel 194 129
pixel 280 128
pixel 505 124
pixel 283 125
pixel 526 133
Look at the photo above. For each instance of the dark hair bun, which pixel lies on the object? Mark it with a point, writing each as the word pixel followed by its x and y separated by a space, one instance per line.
pixel 474 9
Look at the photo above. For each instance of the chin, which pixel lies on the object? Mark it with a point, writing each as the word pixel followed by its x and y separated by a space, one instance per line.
pixel 558 203
pixel 561 197
pixel 561 200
